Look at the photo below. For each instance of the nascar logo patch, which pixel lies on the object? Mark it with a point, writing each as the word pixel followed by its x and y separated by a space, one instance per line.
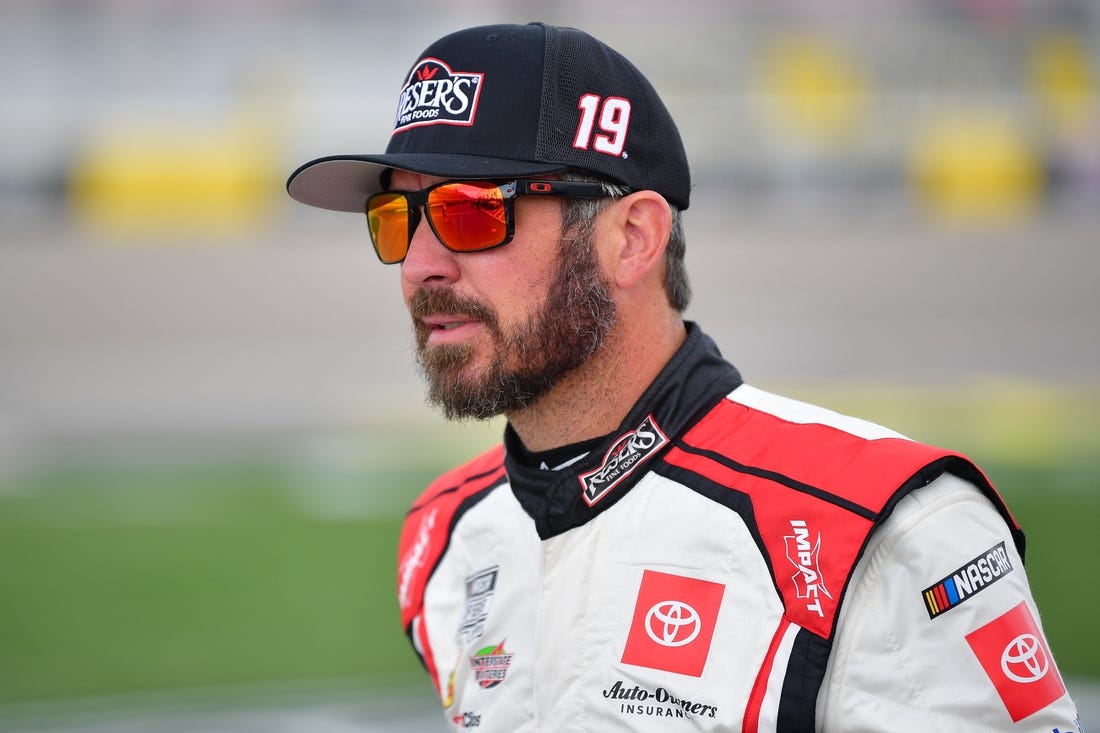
pixel 976 575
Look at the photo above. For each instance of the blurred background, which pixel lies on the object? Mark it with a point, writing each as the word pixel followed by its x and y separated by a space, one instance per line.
pixel 210 422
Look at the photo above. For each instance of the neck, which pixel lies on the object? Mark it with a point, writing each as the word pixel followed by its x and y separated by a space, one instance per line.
pixel 593 399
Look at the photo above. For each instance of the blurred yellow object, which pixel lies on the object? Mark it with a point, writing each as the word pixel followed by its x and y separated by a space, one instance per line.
pixel 819 91
pixel 1061 76
pixel 976 166
pixel 162 180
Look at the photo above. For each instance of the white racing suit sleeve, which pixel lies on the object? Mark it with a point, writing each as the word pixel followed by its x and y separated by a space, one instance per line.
pixel 968 655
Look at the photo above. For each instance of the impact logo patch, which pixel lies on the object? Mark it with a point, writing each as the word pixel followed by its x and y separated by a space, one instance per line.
pixel 809 584
pixel 976 575
pixel 436 95
pixel 490 665
pixel 673 623
pixel 631 450
pixel 1014 654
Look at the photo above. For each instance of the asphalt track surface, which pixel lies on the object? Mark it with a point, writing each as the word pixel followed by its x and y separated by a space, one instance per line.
pixel 298 328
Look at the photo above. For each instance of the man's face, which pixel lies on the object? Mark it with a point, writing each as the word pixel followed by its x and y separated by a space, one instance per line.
pixel 497 329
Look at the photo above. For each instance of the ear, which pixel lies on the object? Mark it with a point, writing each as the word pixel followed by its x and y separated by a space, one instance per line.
pixel 642 222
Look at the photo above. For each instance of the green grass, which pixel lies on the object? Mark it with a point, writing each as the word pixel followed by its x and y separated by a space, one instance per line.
pixel 228 583
pixel 1059 509
pixel 173 577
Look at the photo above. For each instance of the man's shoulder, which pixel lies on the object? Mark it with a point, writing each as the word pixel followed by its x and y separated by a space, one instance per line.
pixel 757 440
pixel 811 445
pixel 797 412
pixel 810 478
pixel 426 532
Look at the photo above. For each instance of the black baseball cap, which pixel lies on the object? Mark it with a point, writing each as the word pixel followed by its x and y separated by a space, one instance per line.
pixel 514 101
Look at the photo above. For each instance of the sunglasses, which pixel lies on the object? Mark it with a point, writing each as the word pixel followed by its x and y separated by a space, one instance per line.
pixel 466 216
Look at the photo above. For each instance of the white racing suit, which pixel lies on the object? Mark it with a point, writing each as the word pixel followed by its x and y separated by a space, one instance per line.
pixel 728 560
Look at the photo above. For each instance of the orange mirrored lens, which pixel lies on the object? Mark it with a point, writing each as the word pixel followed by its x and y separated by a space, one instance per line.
pixel 388 218
pixel 468 216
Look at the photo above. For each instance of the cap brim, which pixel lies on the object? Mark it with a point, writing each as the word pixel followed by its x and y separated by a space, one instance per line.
pixel 343 182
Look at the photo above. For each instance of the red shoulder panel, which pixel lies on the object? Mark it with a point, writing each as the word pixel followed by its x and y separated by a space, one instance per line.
pixel 840 463
pixel 428 524
pixel 816 492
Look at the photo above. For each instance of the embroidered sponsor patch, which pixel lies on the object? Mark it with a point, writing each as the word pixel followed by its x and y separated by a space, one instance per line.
pixel 436 95
pixel 656 702
pixel 449 695
pixel 490 665
pixel 466 720
pixel 809 583
pixel 631 450
pixel 1015 656
pixel 674 619
pixel 976 575
pixel 413 560
pixel 479 599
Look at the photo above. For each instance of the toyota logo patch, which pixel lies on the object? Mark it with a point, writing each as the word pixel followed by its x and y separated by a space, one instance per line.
pixel 1015 656
pixel 1024 660
pixel 673 623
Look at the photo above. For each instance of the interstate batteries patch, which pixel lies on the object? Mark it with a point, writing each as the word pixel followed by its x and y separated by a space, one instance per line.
pixel 490 665
pixel 976 575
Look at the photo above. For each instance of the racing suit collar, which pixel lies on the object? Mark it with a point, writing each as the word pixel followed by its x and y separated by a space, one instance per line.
pixel 694 380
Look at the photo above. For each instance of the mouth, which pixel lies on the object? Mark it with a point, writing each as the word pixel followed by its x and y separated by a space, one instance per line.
pixel 449 328
pixel 442 317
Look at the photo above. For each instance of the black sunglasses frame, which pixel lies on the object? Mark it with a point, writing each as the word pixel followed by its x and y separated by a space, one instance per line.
pixel 416 202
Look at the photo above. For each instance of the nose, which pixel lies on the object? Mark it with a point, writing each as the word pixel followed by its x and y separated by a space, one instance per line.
pixel 428 261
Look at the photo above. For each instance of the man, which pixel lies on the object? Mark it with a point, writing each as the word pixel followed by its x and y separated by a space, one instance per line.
pixel 655 545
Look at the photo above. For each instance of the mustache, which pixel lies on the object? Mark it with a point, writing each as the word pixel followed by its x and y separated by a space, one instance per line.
pixel 429 301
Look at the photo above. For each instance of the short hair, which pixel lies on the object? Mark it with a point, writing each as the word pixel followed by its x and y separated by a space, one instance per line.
pixel 579 216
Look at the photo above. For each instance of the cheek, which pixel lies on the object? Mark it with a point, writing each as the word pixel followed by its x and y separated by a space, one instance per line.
pixel 528 288
pixel 521 273
pixel 407 288
pixel 407 291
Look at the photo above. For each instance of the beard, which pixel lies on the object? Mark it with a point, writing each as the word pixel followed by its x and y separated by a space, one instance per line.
pixel 527 360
